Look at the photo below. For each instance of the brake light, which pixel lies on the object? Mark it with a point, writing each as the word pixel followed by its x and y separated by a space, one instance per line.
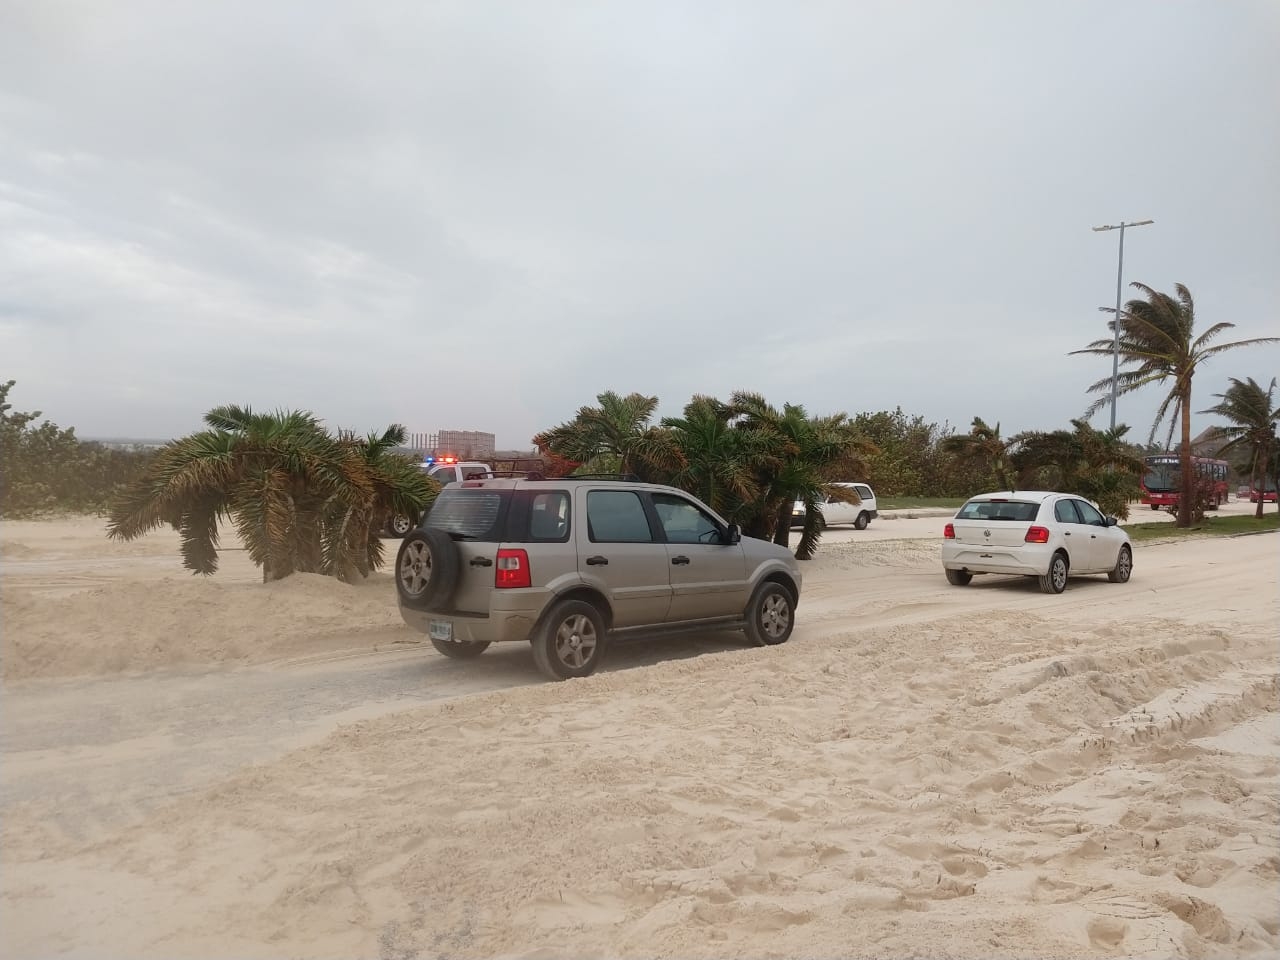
pixel 1037 535
pixel 512 570
pixel 949 531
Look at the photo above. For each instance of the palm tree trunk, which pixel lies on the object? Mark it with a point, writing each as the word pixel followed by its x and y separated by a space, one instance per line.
pixel 782 526
pixel 1186 504
pixel 1258 480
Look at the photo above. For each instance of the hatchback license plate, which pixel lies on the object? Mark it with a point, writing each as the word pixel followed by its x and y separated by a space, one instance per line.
pixel 440 630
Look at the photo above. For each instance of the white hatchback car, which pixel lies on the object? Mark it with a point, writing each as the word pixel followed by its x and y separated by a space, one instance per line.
pixel 1034 533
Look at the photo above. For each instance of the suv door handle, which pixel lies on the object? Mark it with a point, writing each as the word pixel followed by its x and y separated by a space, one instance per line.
pixel 597 561
pixel 481 562
pixel 677 561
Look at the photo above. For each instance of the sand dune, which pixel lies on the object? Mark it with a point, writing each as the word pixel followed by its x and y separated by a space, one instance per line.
pixel 922 771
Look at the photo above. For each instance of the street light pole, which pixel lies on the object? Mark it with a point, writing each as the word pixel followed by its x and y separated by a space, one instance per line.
pixel 1115 354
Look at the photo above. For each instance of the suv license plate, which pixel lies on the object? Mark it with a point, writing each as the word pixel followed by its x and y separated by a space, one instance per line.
pixel 440 630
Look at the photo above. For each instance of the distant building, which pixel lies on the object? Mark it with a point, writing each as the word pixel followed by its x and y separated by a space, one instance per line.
pixel 469 444
pixel 465 444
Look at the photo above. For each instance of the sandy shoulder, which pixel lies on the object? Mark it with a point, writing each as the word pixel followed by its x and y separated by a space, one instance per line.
pixel 73 603
pixel 921 771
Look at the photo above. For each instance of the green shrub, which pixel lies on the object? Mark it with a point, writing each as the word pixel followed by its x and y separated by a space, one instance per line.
pixel 45 468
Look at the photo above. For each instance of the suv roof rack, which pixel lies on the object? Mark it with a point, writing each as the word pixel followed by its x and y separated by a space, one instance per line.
pixel 625 477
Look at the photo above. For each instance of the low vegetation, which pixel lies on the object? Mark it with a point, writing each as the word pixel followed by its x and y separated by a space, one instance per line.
pixel 919 503
pixel 45 468
pixel 1210 526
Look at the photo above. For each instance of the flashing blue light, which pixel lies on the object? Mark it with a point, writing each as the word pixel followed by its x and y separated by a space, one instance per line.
pixel 428 459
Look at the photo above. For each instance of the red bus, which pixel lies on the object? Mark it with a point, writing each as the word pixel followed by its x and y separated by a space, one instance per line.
pixel 1162 480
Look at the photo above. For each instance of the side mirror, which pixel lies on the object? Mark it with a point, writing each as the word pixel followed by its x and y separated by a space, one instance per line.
pixel 733 534
pixel 1112 521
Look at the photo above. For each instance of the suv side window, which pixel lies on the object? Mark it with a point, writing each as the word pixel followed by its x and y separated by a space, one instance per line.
pixel 1064 511
pixel 549 517
pixel 443 475
pixel 617 516
pixel 863 491
pixel 1088 514
pixel 682 522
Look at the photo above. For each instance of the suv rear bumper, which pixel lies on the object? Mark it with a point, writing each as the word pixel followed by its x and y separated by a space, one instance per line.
pixel 501 626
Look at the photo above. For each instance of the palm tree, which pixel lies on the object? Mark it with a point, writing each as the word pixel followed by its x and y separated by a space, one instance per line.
pixel 300 499
pixel 1097 464
pixel 1157 342
pixel 616 436
pixel 1253 415
pixel 714 459
pixel 810 454
pixel 984 448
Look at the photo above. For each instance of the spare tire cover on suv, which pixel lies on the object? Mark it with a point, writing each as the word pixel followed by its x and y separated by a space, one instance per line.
pixel 427 568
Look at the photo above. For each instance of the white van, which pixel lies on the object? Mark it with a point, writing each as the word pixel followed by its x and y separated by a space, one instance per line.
pixel 837 512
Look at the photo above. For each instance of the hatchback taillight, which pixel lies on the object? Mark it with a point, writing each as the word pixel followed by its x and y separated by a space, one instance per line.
pixel 1037 535
pixel 949 531
pixel 512 570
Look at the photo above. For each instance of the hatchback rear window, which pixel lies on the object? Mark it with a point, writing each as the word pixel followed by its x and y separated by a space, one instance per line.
pixel 1017 511
pixel 467 512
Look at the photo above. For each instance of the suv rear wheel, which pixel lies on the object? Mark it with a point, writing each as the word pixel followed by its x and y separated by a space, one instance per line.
pixel 427 568
pixel 460 649
pixel 770 617
pixel 570 641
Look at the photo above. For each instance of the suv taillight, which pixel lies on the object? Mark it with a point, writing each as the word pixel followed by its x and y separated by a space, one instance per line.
pixel 949 531
pixel 1037 535
pixel 512 570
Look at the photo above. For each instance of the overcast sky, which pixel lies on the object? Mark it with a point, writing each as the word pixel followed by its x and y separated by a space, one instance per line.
pixel 479 215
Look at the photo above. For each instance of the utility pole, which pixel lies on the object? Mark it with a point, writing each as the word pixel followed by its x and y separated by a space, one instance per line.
pixel 1115 356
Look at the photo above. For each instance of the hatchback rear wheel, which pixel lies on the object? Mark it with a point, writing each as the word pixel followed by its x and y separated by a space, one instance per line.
pixel 959 578
pixel 1055 581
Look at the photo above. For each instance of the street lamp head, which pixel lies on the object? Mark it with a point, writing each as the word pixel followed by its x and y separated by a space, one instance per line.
pixel 1122 224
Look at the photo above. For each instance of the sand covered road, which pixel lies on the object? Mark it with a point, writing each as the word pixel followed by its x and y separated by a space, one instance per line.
pixel 922 770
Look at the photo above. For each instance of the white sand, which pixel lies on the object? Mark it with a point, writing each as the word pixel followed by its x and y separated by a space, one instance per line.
pixel 923 771
pixel 75 603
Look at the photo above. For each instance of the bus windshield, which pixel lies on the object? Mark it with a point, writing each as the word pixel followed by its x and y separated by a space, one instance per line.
pixel 1160 477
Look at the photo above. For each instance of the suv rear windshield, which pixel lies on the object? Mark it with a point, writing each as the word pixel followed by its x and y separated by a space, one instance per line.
pixel 1018 511
pixel 468 513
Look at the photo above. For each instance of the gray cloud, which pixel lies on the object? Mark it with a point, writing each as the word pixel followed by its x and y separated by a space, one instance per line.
pixel 481 215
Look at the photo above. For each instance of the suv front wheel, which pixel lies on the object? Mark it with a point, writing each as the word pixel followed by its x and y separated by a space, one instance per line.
pixel 570 642
pixel 770 616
